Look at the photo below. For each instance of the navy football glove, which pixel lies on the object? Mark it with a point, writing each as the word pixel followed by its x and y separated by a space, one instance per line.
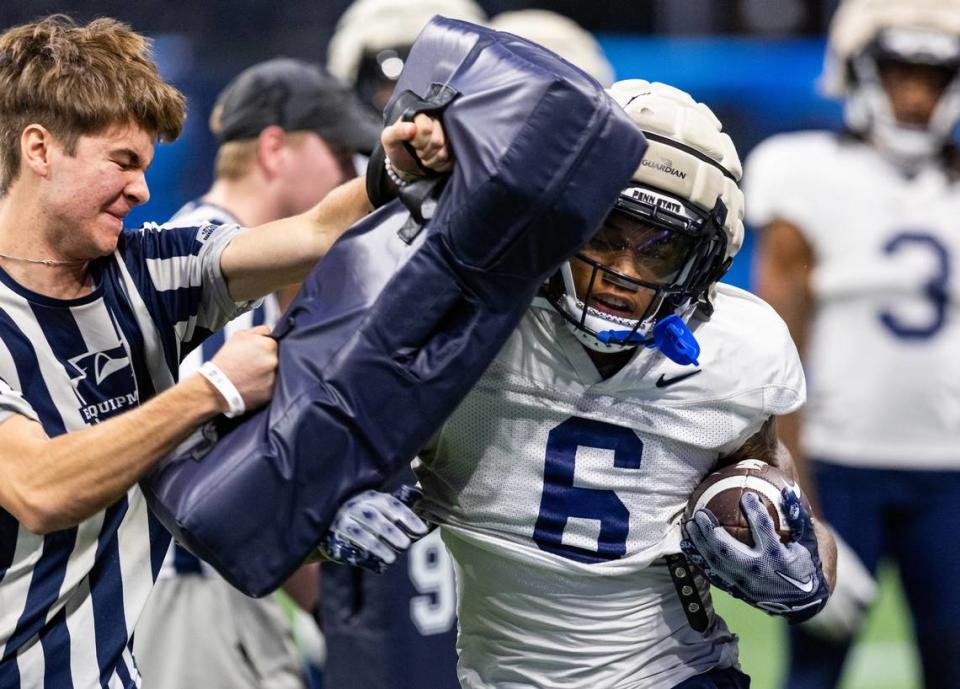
pixel 372 527
pixel 784 579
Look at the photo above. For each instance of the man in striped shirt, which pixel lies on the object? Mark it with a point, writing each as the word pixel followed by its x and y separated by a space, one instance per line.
pixel 94 321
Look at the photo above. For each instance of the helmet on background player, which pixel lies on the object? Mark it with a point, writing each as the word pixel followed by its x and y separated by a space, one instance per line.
pixel 373 38
pixel 560 34
pixel 679 221
pixel 865 34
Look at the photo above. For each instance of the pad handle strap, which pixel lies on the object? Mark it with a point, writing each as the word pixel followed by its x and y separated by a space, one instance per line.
pixel 682 576
pixel 418 197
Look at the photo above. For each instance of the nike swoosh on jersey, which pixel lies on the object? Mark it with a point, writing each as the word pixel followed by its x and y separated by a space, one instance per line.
pixel 805 586
pixel 663 381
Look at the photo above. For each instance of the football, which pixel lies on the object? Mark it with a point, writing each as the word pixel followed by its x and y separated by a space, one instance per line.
pixel 720 492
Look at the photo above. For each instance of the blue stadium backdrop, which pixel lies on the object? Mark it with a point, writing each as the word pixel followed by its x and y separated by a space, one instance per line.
pixel 756 86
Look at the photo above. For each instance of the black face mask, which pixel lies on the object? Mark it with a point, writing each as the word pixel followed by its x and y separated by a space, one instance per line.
pixel 651 243
pixel 377 75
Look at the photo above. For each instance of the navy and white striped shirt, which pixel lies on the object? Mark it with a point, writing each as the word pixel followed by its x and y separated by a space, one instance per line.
pixel 69 600
pixel 180 561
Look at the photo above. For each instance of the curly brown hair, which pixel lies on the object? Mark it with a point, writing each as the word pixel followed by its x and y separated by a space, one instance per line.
pixel 76 80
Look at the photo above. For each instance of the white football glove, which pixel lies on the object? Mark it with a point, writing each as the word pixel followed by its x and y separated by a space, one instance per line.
pixel 847 607
pixel 784 579
pixel 370 529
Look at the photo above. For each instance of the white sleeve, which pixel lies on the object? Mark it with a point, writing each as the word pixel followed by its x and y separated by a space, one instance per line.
pixel 770 183
pixel 217 307
pixel 12 402
pixel 788 392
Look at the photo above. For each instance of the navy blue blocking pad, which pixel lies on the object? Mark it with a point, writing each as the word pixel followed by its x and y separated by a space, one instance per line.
pixel 390 332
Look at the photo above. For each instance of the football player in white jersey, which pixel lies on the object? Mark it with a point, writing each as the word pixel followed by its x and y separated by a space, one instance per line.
pixel 560 480
pixel 858 253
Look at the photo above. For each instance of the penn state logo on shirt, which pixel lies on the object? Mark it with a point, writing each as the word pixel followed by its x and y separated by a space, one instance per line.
pixel 103 382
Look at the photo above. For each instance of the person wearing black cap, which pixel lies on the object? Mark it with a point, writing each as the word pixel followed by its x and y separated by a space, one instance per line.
pixel 294 96
pixel 288 133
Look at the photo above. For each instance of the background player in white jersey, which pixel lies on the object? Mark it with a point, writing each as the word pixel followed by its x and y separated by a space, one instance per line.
pixel 373 38
pixel 858 253
pixel 288 132
pixel 560 480
pixel 93 323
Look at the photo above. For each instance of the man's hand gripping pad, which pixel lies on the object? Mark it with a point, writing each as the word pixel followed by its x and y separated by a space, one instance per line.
pixel 394 327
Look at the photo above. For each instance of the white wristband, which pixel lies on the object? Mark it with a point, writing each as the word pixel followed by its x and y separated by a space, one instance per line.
pixel 225 387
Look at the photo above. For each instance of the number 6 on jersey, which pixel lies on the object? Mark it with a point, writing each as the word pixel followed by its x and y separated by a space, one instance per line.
pixel 564 504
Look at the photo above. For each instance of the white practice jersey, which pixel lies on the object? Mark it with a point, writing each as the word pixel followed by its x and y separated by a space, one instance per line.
pixel 882 350
pixel 560 493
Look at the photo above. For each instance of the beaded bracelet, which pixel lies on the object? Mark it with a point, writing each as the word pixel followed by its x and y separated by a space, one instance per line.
pixel 393 174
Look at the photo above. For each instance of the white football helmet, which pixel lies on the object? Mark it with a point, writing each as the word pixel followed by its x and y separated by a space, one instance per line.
pixel 373 38
pixel 681 217
pixel 864 32
pixel 560 34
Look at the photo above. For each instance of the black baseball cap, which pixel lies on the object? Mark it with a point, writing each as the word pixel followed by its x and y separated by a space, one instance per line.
pixel 296 96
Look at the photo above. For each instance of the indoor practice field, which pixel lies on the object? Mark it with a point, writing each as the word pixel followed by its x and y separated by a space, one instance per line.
pixel 883 659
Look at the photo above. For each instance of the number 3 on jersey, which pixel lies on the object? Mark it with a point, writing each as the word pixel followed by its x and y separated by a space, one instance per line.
pixel 935 290
pixel 565 505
